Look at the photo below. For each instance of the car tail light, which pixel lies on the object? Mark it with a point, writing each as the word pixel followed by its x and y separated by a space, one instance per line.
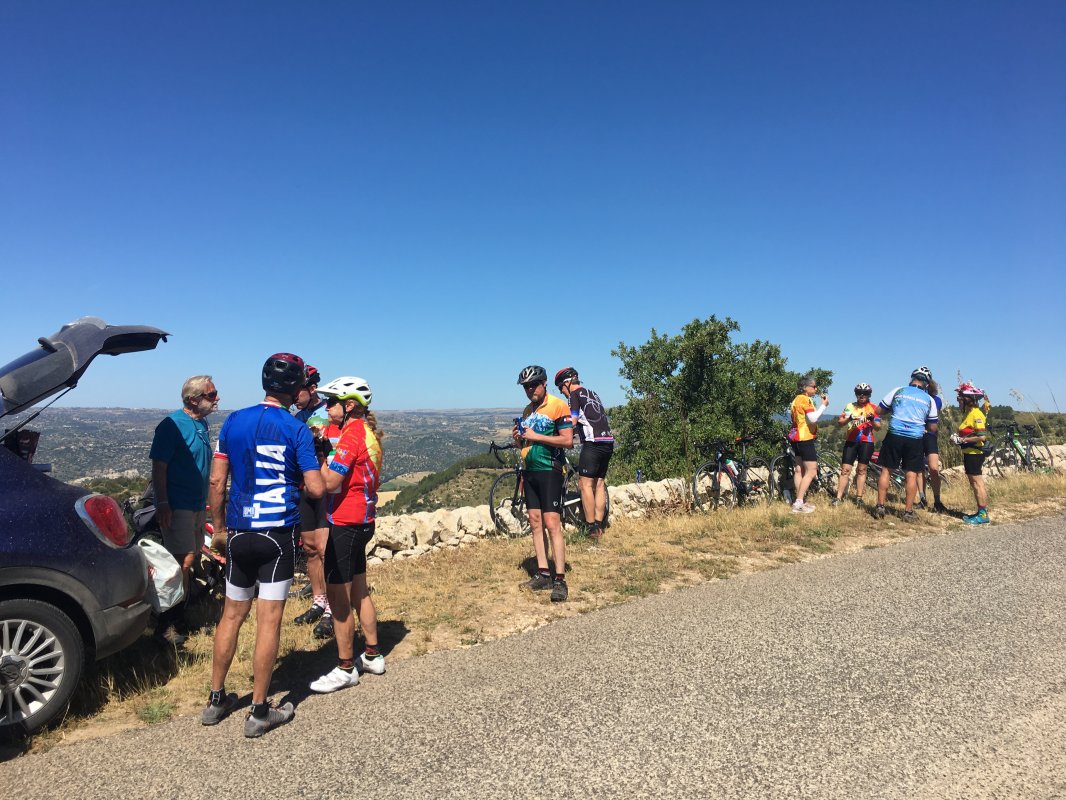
pixel 103 517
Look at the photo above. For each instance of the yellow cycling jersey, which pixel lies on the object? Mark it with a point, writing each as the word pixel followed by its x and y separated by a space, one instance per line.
pixel 973 424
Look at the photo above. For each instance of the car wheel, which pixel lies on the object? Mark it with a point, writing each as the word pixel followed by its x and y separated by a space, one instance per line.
pixel 41 657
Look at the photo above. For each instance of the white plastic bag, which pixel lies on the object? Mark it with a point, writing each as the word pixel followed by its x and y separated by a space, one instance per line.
pixel 165 588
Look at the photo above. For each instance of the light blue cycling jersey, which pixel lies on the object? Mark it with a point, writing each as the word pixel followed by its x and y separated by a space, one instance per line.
pixel 912 408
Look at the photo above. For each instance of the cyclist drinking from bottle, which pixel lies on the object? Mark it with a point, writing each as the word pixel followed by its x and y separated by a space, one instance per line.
pixel 862 420
pixel 544 428
pixel 802 435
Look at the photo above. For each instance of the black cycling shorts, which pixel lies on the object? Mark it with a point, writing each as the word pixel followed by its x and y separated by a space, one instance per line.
pixel 543 490
pixel 897 451
pixel 346 552
pixel 972 463
pixel 267 557
pixel 805 451
pixel 594 458
pixel 312 513
pixel 931 445
pixel 861 451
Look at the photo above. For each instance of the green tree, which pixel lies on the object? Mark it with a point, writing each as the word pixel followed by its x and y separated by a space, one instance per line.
pixel 693 388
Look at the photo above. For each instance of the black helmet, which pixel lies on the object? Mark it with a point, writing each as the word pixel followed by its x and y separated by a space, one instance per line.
pixel 563 375
pixel 863 388
pixel 284 372
pixel 534 373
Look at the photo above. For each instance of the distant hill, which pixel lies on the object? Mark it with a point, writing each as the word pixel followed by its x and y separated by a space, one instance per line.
pixel 84 443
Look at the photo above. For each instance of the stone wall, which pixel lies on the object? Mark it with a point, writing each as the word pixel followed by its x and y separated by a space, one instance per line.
pixel 412 535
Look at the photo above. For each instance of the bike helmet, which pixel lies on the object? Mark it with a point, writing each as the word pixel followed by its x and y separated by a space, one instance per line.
pixel 563 375
pixel 863 388
pixel 969 390
pixel 923 374
pixel 534 373
pixel 348 389
pixel 284 372
pixel 313 378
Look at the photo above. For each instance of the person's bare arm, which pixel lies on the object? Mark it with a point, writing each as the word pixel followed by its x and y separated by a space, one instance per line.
pixel 314 483
pixel 216 498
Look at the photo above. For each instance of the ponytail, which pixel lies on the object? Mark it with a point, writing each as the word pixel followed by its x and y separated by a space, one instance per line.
pixel 372 421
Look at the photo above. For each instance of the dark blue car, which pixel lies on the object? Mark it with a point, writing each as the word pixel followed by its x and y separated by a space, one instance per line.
pixel 72 587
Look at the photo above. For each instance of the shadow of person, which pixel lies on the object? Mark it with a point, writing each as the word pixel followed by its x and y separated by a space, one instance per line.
pixel 297 669
pixel 529 565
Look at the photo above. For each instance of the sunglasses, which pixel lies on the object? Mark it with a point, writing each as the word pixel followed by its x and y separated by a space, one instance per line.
pixel 210 395
pixel 332 401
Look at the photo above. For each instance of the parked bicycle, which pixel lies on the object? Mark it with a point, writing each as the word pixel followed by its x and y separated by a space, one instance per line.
pixel 898 479
pixel 1020 452
pixel 783 471
pixel 507 501
pixel 727 481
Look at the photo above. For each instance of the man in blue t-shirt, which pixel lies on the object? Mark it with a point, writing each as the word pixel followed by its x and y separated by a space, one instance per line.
pixel 181 464
pixel 913 413
pixel 265 453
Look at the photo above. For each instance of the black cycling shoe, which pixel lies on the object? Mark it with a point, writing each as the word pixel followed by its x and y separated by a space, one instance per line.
pixel 879 512
pixel 313 614
pixel 324 628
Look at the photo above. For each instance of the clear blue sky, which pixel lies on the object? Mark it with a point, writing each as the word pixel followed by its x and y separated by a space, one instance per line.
pixel 432 195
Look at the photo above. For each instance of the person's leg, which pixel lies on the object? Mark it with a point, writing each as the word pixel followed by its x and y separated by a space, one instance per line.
pixel 910 489
pixel 234 612
pixel 588 498
pixel 554 525
pixel 882 485
pixel 601 500
pixel 807 471
pixel 842 483
pixel 977 483
pixel 860 480
pixel 267 635
pixel 540 539
pixel 368 613
pixel 934 477
pixel 343 622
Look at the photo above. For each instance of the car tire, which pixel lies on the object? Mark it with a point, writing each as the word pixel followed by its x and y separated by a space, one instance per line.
pixel 41 659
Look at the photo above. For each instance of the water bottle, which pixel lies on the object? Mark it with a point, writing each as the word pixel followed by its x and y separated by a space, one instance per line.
pixel 518 424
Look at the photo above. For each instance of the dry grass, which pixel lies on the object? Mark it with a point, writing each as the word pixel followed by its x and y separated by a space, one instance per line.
pixel 463 597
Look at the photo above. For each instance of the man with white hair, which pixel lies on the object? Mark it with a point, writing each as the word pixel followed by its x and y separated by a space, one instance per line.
pixel 181 466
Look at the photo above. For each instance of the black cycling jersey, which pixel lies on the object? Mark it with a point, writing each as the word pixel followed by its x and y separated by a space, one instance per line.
pixel 591 418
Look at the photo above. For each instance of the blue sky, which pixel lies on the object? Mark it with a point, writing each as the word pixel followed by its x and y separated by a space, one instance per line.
pixel 432 195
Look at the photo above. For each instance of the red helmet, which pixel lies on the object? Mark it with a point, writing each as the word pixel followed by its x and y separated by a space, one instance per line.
pixel 969 390
pixel 312 376
pixel 284 372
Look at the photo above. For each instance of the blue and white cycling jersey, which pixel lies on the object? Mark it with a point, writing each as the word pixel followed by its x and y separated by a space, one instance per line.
pixel 268 451
pixel 911 409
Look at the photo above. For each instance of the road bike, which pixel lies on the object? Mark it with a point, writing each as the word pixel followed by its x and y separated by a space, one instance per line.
pixel 507 500
pixel 783 471
pixel 898 478
pixel 727 481
pixel 1020 452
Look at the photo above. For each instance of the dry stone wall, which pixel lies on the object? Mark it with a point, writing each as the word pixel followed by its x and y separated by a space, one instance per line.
pixel 412 535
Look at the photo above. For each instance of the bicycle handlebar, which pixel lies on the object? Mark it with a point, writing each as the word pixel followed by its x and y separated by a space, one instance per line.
pixel 496 449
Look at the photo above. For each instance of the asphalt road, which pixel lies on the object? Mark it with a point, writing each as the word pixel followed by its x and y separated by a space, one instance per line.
pixel 935 668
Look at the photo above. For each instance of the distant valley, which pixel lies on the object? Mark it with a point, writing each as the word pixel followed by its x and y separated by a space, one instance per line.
pixel 96 442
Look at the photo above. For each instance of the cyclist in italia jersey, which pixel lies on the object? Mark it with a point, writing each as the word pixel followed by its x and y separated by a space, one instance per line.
pixel 543 430
pixel 310 408
pixel 913 414
pixel 265 453
pixel 802 435
pixel 597 446
pixel 862 420
pixel 352 478
pixel 971 437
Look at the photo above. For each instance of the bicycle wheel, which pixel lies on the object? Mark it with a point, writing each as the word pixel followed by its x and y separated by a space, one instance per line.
pixel 1006 461
pixel 573 510
pixel 782 483
pixel 507 506
pixel 1040 458
pixel 827 478
pixel 712 488
pixel 754 482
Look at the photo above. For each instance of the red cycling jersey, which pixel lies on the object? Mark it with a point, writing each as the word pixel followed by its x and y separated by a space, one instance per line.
pixel 358 459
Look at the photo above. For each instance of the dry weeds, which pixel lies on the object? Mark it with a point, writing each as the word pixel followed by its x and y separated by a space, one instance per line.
pixel 466 596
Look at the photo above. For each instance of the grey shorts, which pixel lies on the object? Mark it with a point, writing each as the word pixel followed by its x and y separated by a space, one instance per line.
pixel 186 531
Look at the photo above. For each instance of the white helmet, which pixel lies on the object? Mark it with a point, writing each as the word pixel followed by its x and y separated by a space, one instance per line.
pixel 348 388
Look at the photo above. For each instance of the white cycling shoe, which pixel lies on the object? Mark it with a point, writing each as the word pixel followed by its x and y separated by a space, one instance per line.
pixel 334 680
pixel 375 665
